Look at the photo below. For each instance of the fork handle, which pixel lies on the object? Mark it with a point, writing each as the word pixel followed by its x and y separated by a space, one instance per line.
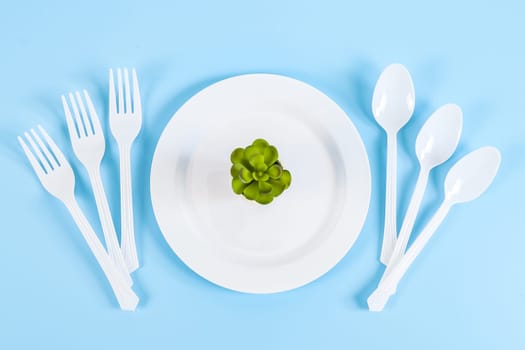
pixel 126 298
pixel 129 249
pixel 108 227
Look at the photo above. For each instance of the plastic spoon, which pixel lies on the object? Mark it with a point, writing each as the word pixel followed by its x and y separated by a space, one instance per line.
pixel 466 181
pixel 436 142
pixel 392 106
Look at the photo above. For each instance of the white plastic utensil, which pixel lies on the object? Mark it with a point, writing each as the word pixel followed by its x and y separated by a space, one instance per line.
pixel 125 121
pixel 392 105
pixel 57 177
pixel 436 142
pixel 87 139
pixel 466 180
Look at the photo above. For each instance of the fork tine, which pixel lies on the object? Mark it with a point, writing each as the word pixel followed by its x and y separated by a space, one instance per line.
pixel 137 106
pixel 128 92
pixel 36 151
pixel 45 149
pixel 69 119
pixel 112 99
pixel 83 113
pixel 32 160
pixel 80 127
pixel 93 114
pixel 120 91
pixel 54 148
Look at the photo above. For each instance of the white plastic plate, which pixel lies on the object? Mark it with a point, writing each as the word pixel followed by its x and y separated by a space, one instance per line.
pixel 240 244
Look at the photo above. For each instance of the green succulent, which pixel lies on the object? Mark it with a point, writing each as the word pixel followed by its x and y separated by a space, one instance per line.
pixel 257 173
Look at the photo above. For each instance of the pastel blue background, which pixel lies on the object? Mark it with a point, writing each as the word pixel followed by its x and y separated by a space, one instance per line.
pixel 466 291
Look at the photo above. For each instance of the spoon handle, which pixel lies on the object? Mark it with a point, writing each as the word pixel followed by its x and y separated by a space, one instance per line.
pixel 387 287
pixel 390 227
pixel 410 218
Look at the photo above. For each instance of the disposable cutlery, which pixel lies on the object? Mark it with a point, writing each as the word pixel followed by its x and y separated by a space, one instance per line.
pixel 87 139
pixel 436 142
pixel 57 177
pixel 125 120
pixel 392 105
pixel 466 180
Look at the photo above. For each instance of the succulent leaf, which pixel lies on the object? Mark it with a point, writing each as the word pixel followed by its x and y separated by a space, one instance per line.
pixel 264 198
pixel 237 155
pixel 251 151
pixel 261 143
pixel 257 162
pixel 286 178
pixel 251 191
pixel 237 185
pixel 264 187
pixel 277 187
pixel 236 169
pixel 245 175
pixel 275 171
pixel 270 155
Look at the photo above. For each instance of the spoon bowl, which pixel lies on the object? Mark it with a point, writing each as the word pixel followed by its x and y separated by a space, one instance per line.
pixel 471 175
pixel 394 98
pixel 438 138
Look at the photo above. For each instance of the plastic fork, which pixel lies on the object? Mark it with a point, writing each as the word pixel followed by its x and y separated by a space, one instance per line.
pixel 125 121
pixel 57 177
pixel 89 145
